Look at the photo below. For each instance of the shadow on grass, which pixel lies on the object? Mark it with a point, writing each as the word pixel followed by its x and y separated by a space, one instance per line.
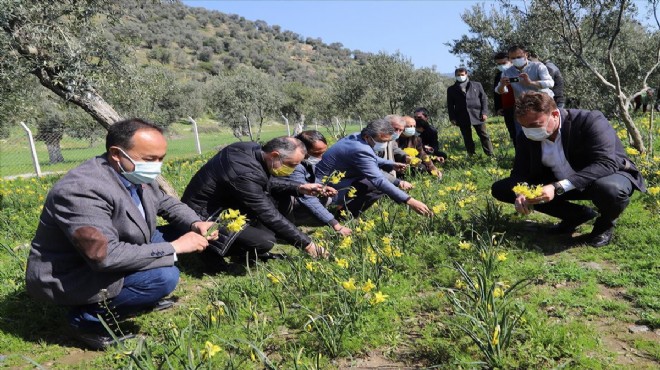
pixel 33 321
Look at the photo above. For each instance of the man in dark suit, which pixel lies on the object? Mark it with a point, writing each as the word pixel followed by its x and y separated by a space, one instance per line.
pixel 245 176
pixel 97 249
pixel 467 106
pixel 574 154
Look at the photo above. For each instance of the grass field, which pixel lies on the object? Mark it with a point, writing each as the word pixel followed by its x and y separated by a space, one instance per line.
pixel 402 292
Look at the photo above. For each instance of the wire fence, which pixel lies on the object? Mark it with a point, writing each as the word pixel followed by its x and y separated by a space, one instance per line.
pixel 56 153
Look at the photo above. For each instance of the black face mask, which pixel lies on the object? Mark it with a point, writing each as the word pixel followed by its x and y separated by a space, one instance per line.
pixel 421 123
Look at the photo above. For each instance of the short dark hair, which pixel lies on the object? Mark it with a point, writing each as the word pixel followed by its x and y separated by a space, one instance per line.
pixel 423 110
pixel 285 145
pixel 460 70
pixel 513 48
pixel 501 55
pixel 533 101
pixel 309 137
pixel 121 133
pixel 532 54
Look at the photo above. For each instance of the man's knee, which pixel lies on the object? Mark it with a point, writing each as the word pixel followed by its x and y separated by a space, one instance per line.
pixel 611 189
pixel 502 191
pixel 165 280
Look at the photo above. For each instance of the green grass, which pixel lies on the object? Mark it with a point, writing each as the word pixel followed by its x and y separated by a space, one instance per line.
pixel 581 300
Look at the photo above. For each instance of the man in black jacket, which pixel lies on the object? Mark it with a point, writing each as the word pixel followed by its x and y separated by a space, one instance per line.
pixel 467 106
pixel 574 154
pixel 242 176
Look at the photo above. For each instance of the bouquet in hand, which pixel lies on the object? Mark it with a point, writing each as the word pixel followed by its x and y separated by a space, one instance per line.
pixel 529 192
pixel 232 223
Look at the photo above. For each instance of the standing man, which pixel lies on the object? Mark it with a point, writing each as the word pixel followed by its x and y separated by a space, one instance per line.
pixel 244 176
pixel 97 249
pixel 467 106
pixel 555 73
pixel 524 75
pixel 574 154
pixel 504 103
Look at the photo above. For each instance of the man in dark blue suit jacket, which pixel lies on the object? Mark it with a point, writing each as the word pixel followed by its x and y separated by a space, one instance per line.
pixel 467 106
pixel 574 154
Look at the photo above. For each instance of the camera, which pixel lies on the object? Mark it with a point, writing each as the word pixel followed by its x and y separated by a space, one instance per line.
pixel 514 79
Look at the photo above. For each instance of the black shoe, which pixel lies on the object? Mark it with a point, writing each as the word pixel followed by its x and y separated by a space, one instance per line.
pixel 568 226
pixel 98 339
pixel 600 239
pixel 162 305
pixel 271 256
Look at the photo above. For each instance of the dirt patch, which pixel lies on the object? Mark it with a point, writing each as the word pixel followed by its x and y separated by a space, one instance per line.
pixel 373 360
pixel 75 357
pixel 615 338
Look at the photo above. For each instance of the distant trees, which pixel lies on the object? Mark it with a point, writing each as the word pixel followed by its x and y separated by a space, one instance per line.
pixel 246 97
pixel 386 84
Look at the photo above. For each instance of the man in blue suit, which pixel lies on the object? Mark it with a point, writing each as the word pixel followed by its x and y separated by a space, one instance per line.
pixel 355 156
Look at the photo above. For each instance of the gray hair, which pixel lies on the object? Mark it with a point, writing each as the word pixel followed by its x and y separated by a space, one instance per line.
pixel 378 127
pixel 394 118
pixel 285 145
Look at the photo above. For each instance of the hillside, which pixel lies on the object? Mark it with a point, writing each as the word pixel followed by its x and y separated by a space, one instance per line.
pixel 209 42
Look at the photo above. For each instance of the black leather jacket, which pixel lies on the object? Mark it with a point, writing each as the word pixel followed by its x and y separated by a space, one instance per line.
pixel 237 177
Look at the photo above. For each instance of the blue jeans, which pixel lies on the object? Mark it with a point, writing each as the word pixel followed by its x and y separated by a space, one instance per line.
pixel 141 290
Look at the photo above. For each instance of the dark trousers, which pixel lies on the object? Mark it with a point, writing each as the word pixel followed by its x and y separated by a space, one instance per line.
pixel 610 194
pixel 510 123
pixel 466 131
pixel 365 196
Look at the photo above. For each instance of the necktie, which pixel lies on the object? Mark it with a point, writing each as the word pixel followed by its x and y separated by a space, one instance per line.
pixel 133 189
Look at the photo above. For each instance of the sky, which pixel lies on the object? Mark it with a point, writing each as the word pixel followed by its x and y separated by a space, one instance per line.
pixel 417 29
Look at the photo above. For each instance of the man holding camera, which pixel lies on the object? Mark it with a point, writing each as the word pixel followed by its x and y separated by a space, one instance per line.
pixel 524 75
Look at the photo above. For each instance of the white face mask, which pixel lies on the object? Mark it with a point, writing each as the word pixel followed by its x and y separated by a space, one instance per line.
pixel 379 147
pixel 143 173
pixel 504 67
pixel 461 78
pixel 537 133
pixel 519 62
pixel 409 131
pixel 313 160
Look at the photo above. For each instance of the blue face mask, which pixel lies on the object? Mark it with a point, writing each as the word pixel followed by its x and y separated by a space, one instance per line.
pixel 395 136
pixel 409 131
pixel 144 172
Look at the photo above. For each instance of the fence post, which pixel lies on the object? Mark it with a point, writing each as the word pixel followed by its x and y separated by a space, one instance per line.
pixel 194 124
pixel 33 150
pixel 286 120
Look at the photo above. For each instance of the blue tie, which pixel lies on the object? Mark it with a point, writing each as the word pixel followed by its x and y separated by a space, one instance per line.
pixel 136 198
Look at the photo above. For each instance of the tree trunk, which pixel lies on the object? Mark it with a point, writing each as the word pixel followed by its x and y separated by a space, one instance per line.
pixel 54 152
pixel 90 101
pixel 300 125
pixel 636 137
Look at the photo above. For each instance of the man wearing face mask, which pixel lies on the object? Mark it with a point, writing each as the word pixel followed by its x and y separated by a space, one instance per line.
pixel 467 106
pixel 97 249
pixel 244 176
pixel 309 210
pixel 524 75
pixel 392 151
pixel 574 154
pixel 355 156
pixel 427 133
pixel 408 139
pixel 504 103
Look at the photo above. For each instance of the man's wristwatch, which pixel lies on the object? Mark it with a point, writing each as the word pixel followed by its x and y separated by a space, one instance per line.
pixel 559 190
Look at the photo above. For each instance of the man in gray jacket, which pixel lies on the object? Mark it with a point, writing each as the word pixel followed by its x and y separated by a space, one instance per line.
pixel 97 249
